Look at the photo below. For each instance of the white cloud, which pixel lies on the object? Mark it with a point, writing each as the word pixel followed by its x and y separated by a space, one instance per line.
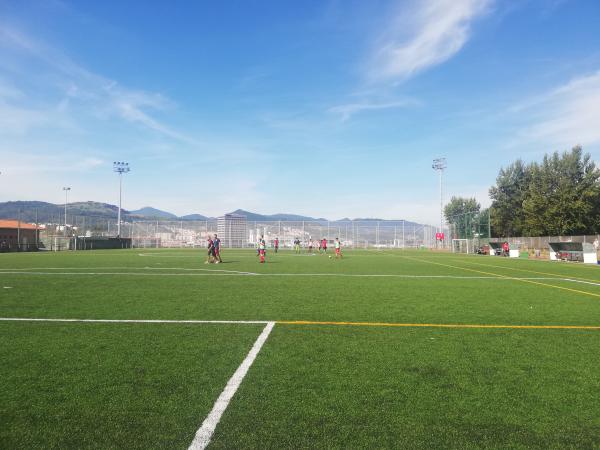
pixel 80 88
pixel 348 110
pixel 565 116
pixel 426 34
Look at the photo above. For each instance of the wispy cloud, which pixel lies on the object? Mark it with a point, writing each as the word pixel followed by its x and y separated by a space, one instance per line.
pixel 424 35
pixel 81 87
pixel 348 110
pixel 565 116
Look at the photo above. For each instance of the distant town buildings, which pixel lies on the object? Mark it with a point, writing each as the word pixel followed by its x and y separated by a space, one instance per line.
pixel 232 230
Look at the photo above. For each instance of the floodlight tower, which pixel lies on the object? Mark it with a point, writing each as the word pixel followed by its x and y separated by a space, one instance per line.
pixel 120 167
pixel 66 189
pixel 439 164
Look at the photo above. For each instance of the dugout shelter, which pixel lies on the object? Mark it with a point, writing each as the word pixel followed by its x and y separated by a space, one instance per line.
pixel 573 251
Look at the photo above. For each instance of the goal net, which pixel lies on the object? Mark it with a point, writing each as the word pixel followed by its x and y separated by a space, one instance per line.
pixel 460 246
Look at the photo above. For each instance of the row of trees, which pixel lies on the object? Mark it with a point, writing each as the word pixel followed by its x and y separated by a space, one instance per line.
pixel 559 196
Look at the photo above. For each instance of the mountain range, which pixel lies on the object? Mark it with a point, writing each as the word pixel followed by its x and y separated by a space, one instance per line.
pixel 30 211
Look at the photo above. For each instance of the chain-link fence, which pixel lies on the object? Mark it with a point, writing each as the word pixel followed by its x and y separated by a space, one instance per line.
pixel 354 234
pixel 56 233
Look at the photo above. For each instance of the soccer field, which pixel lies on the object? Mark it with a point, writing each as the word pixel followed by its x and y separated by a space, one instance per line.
pixel 384 349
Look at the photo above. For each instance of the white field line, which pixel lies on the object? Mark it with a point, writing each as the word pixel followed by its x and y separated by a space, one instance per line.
pixel 123 268
pixel 219 273
pixel 206 430
pixel 138 274
pixel 581 281
pixel 235 322
pixel 129 268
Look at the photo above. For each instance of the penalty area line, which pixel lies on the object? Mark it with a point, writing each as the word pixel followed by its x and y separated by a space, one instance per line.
pixel 206 430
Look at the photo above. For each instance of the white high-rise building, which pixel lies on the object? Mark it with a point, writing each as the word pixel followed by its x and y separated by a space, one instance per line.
pixel 232 230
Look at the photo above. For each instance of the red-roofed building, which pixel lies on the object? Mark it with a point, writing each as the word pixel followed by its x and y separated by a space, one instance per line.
pixel 16 235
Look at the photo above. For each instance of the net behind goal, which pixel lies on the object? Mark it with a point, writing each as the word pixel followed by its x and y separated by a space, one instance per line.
pixel 460 246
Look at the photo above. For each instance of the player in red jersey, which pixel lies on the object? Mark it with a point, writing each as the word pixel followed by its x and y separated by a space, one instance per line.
pixel 210 258
pixel 217 247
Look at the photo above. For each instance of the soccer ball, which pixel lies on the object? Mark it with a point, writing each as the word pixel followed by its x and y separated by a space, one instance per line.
pixel 329 256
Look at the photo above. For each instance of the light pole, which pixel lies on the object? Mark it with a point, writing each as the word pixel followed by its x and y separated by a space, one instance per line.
pixel 66 189
pixel 120 167
pixel 439 164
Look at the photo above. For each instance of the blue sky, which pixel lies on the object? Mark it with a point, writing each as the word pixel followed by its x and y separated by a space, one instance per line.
pixel 325 108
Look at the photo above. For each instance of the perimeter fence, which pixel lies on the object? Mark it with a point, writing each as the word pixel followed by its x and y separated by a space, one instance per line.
pixel 354 234
pixel 55 235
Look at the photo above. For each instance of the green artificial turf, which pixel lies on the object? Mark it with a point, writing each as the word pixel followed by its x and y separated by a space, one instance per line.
pixel 342 387
pixel 312 385
pixel 96 385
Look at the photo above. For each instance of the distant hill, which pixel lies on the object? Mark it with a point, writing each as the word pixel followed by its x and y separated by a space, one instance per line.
pixel 149 212
pixel 50 212
pixel 254 217
pixel 194 217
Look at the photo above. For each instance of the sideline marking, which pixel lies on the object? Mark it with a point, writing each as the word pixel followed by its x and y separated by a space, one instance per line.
pixel 581 281
pixel 505 276
pixel 33 319
pixel 139 274
pixel 185 269
pixel 206 430
pixel 438 325
pixel 311 322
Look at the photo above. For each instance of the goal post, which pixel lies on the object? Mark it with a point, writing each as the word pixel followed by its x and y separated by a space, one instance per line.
pixel 460 246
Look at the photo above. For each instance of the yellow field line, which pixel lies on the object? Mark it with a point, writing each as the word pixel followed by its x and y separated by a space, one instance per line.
pixel 437 325
pixel 529 270
pixel 577 291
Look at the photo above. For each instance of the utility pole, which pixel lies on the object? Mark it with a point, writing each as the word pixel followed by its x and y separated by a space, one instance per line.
pixel 66 189
pixel 120 167
pixel 439 164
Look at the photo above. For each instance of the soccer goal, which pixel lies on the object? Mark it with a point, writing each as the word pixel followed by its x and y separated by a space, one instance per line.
pixel 460 246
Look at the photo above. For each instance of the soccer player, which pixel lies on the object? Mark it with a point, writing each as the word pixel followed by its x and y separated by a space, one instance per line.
pixel 324 244
pixel 217 247
pixel 276 244
pixel 262 249
pixel 338 249
pixel 211 250
pixel 310 245
pixel 297 245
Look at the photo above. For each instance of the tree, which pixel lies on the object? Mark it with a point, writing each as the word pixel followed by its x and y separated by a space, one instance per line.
pixel 564 195
pixel 512 187
pixel 460 213
pixel 559 196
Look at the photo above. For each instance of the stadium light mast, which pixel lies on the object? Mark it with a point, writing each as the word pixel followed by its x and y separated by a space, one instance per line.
pixel 66 189
pixel 120 167
pixel 439 164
